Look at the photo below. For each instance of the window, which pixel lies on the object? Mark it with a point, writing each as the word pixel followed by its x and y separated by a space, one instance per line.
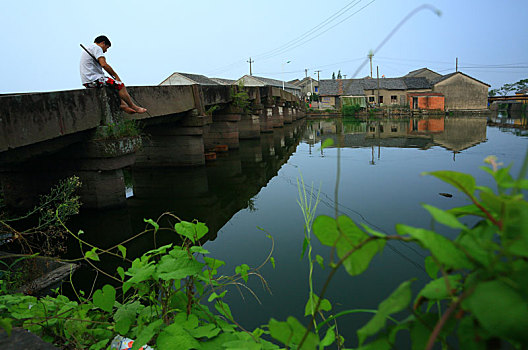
pixel 316 88
pixel 394 128
pixel 394 99
pixel 372 129
pixel 371 98
pixel 381 99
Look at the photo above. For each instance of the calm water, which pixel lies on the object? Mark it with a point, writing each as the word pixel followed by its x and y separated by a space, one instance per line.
pixel 256 187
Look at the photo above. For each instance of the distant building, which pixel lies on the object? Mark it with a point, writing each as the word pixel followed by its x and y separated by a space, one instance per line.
pixel 188 79
pixel 424 73
pixel 459 91
pixel 223 81
pixel 462 92
pixel 252 80
pixel 308 86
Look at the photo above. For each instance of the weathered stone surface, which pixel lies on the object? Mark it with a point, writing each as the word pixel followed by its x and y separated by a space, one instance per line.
pixel 287 115
pixel 249 127
pixel 277 117
pixel 110 148
pixel 22 339
pixel 172 150
pixel 102 189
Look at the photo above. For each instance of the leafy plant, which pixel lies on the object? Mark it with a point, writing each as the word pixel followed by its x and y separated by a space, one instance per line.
pixel 121 129
pixel 350 110
pixel 478 291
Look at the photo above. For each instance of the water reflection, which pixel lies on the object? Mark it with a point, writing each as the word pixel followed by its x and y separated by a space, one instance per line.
pixel 255 186
pixel 454 134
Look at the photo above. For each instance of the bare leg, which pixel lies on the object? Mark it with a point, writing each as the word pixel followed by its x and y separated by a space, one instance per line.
pixel 123 94
pixel 125 108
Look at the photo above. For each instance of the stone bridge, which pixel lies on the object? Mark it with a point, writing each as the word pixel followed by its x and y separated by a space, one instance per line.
pixel 48 136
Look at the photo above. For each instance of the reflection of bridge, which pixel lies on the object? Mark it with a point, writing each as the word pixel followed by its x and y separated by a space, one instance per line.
pixel 210 194
pixel 47 136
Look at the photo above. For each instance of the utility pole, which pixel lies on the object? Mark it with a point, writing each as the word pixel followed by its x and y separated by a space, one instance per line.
pixel 306 73
pixel 250 61
pixel 370 55
pixel 317 71
pixel 456 66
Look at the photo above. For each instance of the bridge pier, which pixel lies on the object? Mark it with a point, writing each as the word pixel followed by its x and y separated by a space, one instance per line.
pixel 176 144
pixel 278 115
pixel 249 126
pixel 224 129
pixel 266 117
pixel 287 113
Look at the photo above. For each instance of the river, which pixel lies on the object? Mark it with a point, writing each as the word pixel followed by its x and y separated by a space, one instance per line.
pixel 250 192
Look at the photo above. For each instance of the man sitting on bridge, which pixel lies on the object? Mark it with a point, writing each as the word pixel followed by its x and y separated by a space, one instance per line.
pixel 92 76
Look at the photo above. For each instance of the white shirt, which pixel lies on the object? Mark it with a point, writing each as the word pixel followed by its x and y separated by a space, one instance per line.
pixel 90 70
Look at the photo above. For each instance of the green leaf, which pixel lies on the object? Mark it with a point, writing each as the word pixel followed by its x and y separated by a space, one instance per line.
pixel 199 250
pixel 121 272
pixel 91 254
pixel 329 338
pixel 468 335
pixel 139 275
pixel 177 265
pixel 437 289
pixel 327 143
pixel 272 260
pixel 463 182
pixel 224 309
pixel 176 337
pixel 147 334
pixel 396 302
pixel 431 268
pixel 193 231
pixel 444 217
pixel 242 270
pixel 105 298
pixel 291 333
pixel 440 247
pixel 325 228
pixel 305 245
pixel 153 223
pixel 207 331
pixel 6 324
pixel 378 344
pixel 471 209
pixel 500 309
pixel 214 296
pixel 125 316
pixel 320 260
pixel 122 250
pixel 325 305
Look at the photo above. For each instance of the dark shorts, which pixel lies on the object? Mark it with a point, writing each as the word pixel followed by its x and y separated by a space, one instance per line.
pixel 109 82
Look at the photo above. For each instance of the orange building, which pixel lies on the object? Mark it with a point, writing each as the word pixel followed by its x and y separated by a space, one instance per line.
pixel 426 100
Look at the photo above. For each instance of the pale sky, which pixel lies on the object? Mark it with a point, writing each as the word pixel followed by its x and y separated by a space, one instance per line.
pixel 152 39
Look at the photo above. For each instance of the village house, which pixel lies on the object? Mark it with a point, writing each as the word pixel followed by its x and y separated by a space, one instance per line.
pixel 188 79
pixel 419 89
pixel 308 85
pixel 251 80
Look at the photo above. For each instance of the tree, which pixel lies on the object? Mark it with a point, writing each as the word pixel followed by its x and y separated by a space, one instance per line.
pixel 333 75
pixel 339 74
pixel 507 88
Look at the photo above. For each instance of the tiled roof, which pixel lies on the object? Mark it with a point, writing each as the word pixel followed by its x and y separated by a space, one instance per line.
pixel 223 81
pixel 346 87
pixel 417 83
pixel 272 82
pixel 199 79
pixel 447 76
pixel 419 71
pixel 384 83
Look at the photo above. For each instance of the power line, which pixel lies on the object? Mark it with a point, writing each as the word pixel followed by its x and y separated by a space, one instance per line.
pixel 334 16
pixel 315 37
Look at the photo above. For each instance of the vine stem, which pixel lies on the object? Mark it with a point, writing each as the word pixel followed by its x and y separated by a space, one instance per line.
pixel 333 272
pixel 440 324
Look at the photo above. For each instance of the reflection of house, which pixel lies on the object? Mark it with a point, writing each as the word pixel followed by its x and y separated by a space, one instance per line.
pixel 187 79
pixel 252 80
pixel 462 133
